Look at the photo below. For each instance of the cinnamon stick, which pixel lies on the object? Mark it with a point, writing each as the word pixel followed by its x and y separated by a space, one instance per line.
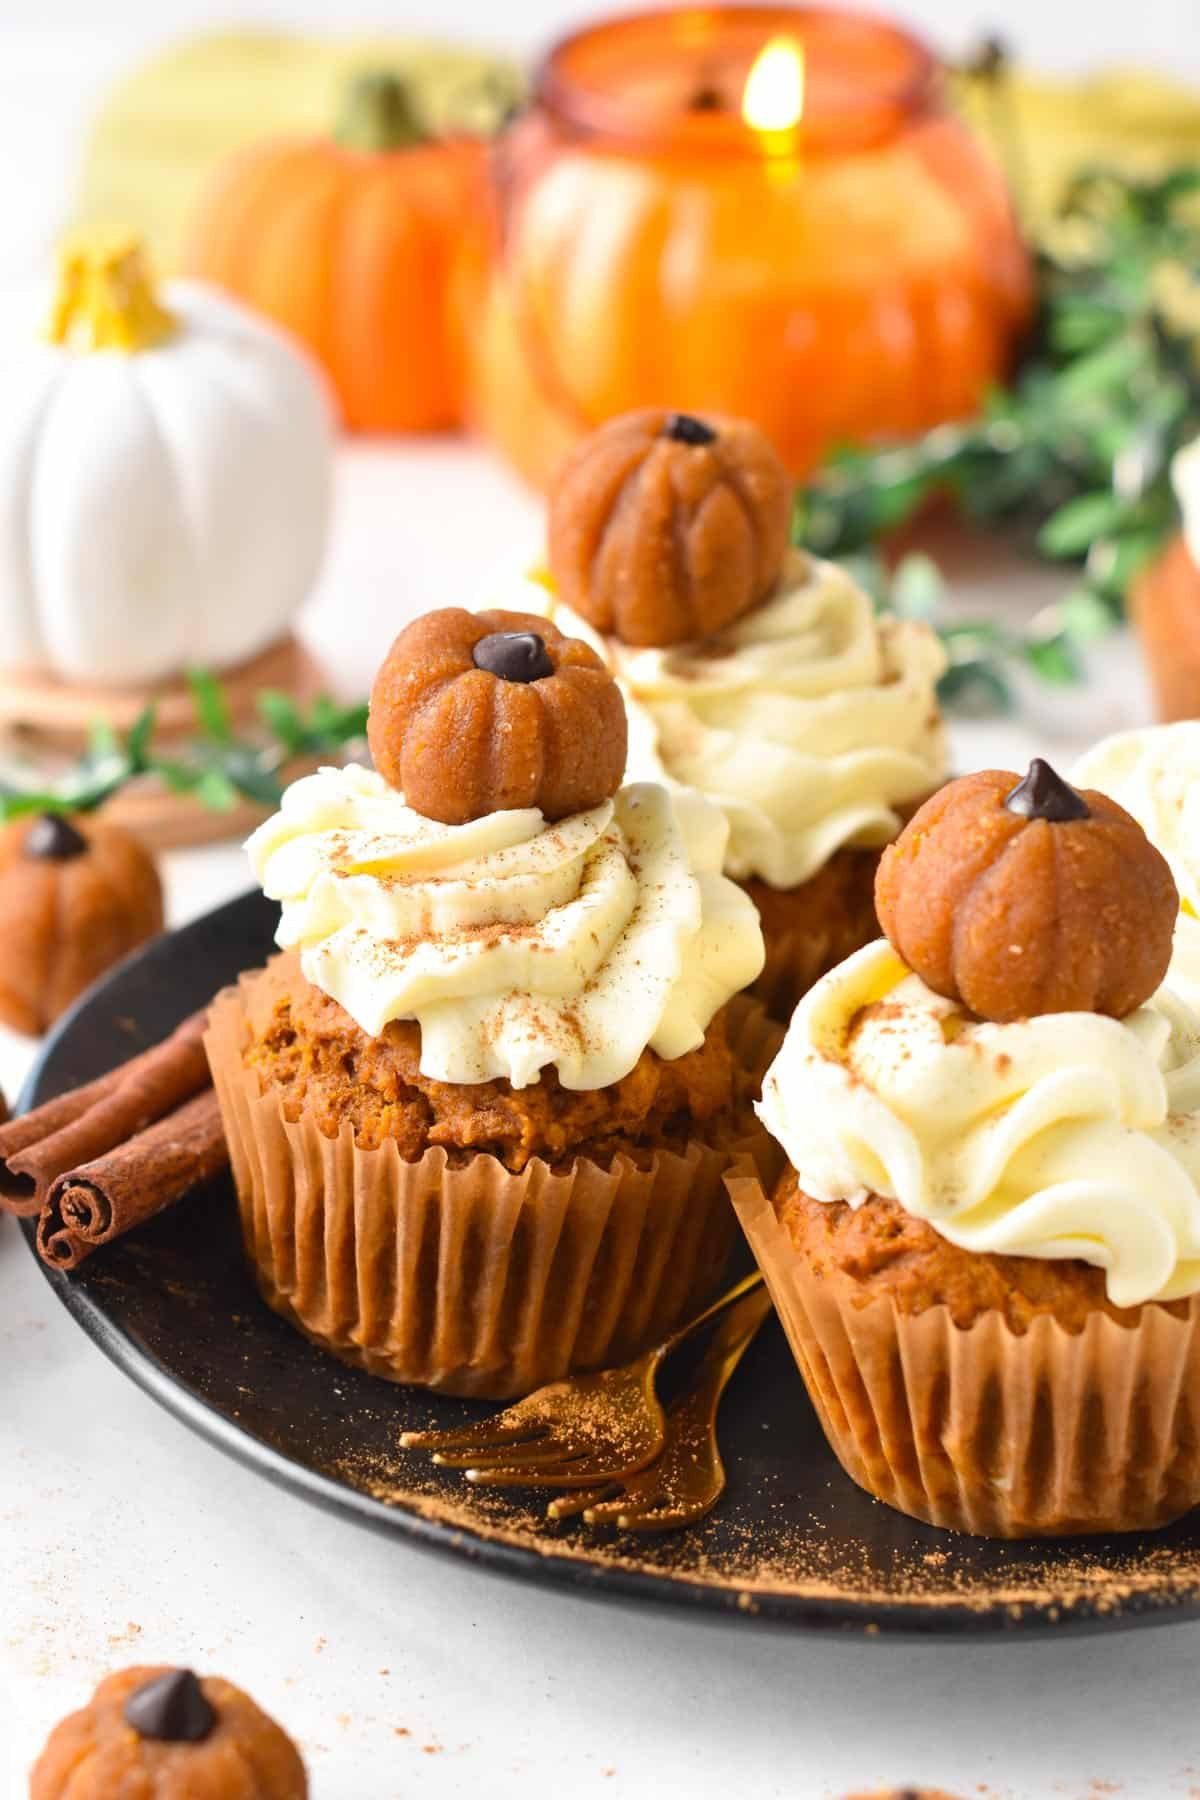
pixel 132 1182
pixel 92 1120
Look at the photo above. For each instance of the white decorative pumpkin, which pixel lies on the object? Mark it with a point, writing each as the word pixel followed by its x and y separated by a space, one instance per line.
pixel 165 480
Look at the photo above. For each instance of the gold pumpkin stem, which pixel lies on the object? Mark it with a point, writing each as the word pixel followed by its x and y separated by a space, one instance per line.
pixel 106 299
pixel 378 114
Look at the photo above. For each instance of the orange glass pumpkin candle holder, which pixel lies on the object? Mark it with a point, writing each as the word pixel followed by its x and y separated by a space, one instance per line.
pixel 762 210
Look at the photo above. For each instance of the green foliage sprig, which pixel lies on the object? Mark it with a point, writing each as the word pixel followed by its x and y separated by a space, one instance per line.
pixel 1075 456
pixel 217 767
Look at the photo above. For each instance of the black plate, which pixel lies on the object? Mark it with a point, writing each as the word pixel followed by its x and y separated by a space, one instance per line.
pixel 793 1540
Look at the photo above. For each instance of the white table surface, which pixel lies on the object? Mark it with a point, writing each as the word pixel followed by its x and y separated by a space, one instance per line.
pixel 123 1537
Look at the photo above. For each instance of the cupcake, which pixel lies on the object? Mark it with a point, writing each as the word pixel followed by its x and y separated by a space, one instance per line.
pixel 1165 604
pixel 755 674
pixel 986 1248
pixel 480 1108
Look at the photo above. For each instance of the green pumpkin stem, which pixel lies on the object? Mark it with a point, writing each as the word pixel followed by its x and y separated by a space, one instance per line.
pixel 378 114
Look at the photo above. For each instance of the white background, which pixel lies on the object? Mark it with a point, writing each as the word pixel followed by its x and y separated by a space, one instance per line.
pixel 122 1538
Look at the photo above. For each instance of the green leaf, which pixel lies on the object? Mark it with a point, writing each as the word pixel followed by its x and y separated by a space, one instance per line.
pixel 1071 530
pixel 917 586
pixel 141 733
pixel 212 707
pixel 102 739
pixel 281 715
pixel 975 690
pixel 1055 660
pixel 1086 615
pixel 215 790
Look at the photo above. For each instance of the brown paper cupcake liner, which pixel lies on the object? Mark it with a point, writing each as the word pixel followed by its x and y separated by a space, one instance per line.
pixel 474 1280
pixel 1047 1433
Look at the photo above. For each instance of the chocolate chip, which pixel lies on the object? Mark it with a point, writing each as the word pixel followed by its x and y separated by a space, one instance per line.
pixel 171 1709
pixel 514 656
pixel 688 430
pixel 51 838
pixel 1045 795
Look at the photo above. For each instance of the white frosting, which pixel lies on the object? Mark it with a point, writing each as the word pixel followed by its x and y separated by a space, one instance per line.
pixel 1069 1135
pixel 513 942
pixel 1155 775
pixel 1185 472
pixel 809 721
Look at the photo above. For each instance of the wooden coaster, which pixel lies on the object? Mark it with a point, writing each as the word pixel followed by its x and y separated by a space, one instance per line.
pixel 44 718
pixel 37 709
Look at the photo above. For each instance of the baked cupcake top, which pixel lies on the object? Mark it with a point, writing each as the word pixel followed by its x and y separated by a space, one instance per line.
pixel 810 720
pixel 515 941
pixel 1068 1134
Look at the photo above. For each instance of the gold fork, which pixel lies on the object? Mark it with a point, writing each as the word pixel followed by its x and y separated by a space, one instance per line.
pixel 585 1431
pixel 688 1479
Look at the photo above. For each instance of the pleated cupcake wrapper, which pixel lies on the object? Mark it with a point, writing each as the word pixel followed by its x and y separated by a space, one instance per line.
pixel 473 1280
pixel 1044 1434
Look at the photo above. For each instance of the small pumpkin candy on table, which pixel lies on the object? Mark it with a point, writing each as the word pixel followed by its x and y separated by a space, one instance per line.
pixel 481 1108
pixel 350 241
pixel 76 895
pixel 164 1734
pixel 986 1250
pixel 755 673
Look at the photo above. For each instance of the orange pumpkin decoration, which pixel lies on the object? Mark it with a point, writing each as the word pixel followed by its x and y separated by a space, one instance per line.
pixel 1019 897
pixel 665 527
pixel 1165 604
pixel 349 243
pixel 474 713
pixel 160 1734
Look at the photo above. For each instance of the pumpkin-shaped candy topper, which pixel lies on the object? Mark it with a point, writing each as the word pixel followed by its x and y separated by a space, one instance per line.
pixel 474 713
pixel 165 475
pixel 664 527
pixel 1018 897
pixel 75 896
pixel 164 1735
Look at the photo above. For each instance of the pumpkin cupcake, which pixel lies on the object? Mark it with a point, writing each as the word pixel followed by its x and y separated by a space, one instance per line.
pixel 480 1109
pixel 986 1250
pixel 755 673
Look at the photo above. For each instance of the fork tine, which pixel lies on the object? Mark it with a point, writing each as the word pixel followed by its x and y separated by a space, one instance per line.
pixel 569 1506
pixel 482 1435
pixel 658 1517
pixel 567 1472
pixel 543 1451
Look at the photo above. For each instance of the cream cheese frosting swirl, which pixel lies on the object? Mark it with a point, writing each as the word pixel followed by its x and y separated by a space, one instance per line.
pixel 1068 1135
pixel 1154 773
pixel 514 943
pixel 810 721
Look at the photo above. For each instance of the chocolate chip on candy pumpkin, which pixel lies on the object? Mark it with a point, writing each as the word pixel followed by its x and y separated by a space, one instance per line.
pixel 163 1734
pixel 664 527
pixel 1019 897
pixel 75 896
pixel 474 713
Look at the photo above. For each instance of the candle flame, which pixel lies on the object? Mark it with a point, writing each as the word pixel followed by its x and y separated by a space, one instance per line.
pixel 773 98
